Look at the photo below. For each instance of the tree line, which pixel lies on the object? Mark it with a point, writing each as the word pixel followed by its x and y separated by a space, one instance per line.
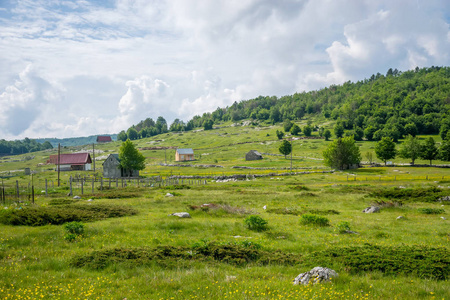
pixel 394 105
pixel 22 146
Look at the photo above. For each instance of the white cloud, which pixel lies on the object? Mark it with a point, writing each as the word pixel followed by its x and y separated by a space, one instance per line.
pixel 103 66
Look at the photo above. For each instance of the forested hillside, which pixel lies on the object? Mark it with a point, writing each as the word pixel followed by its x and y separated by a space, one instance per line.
pixel 20 147
pixel 393 105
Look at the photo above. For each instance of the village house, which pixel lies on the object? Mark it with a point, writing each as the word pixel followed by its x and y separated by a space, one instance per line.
pixel 253 155
pixel 72 161
pixel 112 169
pixel 184 154
pixel 104 139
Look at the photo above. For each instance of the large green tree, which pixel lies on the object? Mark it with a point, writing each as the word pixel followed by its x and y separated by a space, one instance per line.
pixel 385 149
pixel 130 157
pixel 285 148
pixel 444 149
pixel 411 148
pixel 342 153
pixel 295 129
pixel 429 150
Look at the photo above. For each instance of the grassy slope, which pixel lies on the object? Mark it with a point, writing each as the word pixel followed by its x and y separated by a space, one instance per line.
pixel 35 261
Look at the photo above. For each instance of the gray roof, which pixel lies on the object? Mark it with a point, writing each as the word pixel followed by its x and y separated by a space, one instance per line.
pixel 256 152
pixel 185 151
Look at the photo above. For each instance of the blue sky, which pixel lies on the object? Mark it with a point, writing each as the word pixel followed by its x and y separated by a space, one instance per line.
pixel 76 68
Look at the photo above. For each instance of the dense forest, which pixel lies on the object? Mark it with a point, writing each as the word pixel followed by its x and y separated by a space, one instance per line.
pixel 392 105
pixel 24 146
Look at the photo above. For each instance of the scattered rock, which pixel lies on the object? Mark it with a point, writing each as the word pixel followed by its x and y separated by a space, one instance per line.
pixel 265 207
pixel 443 218
pixel 89 200
pixel 316 275
pixel 371 209
pixel 181 215
pixel 445 198
pixel 169 195
pixel 400 217
pixel 350 232
pixel 76 197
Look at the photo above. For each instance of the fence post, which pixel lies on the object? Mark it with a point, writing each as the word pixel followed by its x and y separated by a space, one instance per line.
pixel 17 189
pixel 101 183
pixel 109 182
pixel 82 182
pixel 70 184
pixel 93 180
pixel 46 187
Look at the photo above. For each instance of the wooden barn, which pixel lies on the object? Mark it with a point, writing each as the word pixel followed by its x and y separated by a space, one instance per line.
pixel 104 139
pixel 112 169
pixel 72 161
pixel 253 155
pixel 184 154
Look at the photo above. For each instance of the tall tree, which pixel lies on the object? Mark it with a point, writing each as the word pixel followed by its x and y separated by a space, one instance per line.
pixel 295 129
pixel 338 130
pixel 130 157
pixel 285 148
pixel 385 149
pixel 429 150
pixel 327 134
pixel 342 153
pixel 444 149
pixel 411 148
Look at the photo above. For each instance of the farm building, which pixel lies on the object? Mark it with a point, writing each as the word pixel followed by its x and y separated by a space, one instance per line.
pixel 104 139
pixel 184 154
pixel 72 161
pixel 112 169
pixel 253 155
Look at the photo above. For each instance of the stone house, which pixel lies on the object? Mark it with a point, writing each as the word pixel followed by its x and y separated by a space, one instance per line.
pixel 112 169
pixel 253 155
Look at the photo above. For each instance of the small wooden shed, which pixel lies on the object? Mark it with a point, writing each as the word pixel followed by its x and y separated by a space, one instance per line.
pixel 112 169
pixel 253 155
pixel 184 154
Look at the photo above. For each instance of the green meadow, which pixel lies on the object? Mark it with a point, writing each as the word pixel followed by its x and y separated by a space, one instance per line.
pixel 131 248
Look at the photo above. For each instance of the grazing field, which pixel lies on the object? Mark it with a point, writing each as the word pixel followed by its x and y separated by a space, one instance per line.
pixel 125 244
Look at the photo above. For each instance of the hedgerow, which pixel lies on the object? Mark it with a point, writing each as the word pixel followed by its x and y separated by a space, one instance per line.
pixel 431 194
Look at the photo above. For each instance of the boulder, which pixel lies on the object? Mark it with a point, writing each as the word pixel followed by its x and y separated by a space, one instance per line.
pixel 169 195
pixel 400 217
pixel 316 275
pixel 371 209
pixel 445 198
pixel 181 215
pixel 76 197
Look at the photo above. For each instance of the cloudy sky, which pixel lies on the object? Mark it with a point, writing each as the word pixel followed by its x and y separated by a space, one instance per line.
pixel 84 67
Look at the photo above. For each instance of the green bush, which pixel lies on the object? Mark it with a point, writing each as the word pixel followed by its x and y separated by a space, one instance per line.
pixel 310 219
pixel 420 261
pixel 39 216
pixel 74 228
pixel 343 227
pixel 431 211
pixel 256 223
pixel 431 194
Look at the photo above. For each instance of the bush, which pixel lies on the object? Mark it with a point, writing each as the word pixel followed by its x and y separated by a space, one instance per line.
pixel 310 219
pixel 39 216
pixel 431 211
pixel 420 261
pixel 74 228
pixel 256 223
pixel 343 227
pixel 431 194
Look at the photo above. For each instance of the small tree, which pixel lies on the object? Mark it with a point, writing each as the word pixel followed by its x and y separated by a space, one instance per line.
pixel 208 124
pixel 130 158
pixel 132 134
pixel 385 149
pixel 295 129
pixel 342 153
pixel 369 157
pixel 307 130
pixel 444 149
pixel 429 150
pixel 280 134
pixel 411 148
pixel 338 130
pixel 327 134
pixel 287 124
pixel 122 136
pixel 285 148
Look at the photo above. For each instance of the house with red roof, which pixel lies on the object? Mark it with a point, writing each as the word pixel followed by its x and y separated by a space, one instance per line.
pixel 72 161
pixel 104 139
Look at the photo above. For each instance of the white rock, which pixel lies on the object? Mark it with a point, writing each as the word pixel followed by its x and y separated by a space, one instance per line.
pixel 181 215
pixel 443 218
pixel 90 200
pixel 169 195
pixel 316 275
pixel 371 209
pixel 400 217
pixel 76 197
pixel 264 207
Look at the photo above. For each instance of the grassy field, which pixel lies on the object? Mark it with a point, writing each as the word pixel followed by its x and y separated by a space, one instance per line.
pixel 144 253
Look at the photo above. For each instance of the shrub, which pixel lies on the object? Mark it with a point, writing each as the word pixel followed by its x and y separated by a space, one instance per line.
pixel 431 194
pixel 62 201
pixel 420 261
pixel 74 228
pixel 310 219
pixel 256 223
pixel 431 211
pixel 343 227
